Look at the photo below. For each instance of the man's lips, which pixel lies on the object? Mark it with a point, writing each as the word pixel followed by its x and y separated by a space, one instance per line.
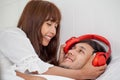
pixel 68 59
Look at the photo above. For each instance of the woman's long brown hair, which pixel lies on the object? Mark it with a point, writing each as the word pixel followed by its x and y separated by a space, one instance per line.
pixel 34 15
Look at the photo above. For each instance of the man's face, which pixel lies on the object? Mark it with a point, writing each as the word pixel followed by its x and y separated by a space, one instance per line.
pixel 77 56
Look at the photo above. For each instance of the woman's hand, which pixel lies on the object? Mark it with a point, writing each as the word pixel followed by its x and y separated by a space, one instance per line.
pixel 91 72
pixel 61 53
pixel 29 76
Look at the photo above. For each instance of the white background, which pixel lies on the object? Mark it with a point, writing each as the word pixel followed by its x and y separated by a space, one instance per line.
pixel 78 17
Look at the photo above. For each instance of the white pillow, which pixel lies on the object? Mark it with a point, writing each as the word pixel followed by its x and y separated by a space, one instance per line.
pixel 113 71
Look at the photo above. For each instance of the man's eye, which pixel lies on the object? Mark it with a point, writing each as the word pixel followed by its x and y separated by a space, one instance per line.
pixel 73 47
pixel 81 51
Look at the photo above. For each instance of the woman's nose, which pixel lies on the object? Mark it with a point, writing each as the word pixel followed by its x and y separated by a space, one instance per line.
pixel 53 30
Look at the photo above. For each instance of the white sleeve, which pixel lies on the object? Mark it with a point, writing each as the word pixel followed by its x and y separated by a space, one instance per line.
pixel 17 48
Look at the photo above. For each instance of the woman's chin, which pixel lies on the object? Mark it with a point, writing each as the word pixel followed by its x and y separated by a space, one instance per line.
pixel 45 44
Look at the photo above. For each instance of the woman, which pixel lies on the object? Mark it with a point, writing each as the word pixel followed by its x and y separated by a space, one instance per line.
pixel 35 42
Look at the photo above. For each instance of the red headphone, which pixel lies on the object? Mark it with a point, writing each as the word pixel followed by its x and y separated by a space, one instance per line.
pixel 101 57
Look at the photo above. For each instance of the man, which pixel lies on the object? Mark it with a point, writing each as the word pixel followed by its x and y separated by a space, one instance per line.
pixel 77 56
pixel 80 53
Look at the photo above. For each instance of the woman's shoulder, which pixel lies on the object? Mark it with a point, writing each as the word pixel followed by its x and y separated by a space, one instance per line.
pixel 11 30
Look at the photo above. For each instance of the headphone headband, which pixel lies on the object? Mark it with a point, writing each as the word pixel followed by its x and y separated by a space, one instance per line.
pixel 74 40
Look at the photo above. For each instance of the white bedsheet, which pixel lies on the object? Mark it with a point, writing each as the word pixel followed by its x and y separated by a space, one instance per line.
pixel 113 71
pixel 54 77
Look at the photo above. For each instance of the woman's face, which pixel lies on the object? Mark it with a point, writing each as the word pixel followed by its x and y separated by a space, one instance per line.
pixel 48 31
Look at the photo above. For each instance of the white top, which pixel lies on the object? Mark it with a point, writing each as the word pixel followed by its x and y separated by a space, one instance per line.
pixel 17 53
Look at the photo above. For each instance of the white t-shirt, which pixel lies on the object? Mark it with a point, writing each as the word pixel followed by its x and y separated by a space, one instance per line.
pixel 17 53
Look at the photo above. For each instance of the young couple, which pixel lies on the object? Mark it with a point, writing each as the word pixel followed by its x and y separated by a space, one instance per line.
pixel 75 58
pixel 34 44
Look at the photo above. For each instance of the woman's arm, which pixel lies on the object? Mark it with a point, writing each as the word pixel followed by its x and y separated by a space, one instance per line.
pixel 28 76
pixel 87 72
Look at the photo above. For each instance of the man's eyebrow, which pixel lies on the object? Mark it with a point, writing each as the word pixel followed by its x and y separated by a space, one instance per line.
pixel 82 47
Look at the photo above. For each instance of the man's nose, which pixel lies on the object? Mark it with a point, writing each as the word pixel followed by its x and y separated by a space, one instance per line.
pixel 71 52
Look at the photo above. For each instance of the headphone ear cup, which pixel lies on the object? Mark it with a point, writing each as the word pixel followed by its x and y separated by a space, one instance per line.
pixel 99 59
pixel 70 43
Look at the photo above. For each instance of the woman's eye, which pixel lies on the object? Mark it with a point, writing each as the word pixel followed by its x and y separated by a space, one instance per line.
pixel 49 24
